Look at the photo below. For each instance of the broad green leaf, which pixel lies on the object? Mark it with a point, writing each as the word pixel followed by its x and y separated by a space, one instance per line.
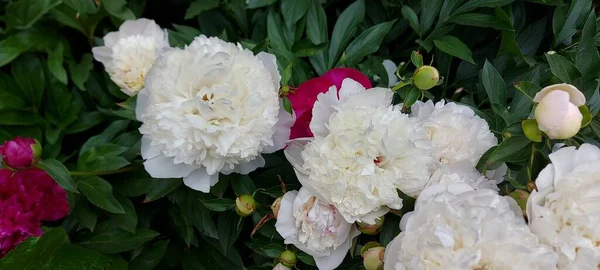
pixel 128 220
pixel 367 42
pixel 307 259
pixel 102 158
pixel 494 85
pixel 453 46
pixel 412 18
pixel 258 3
pixel 508 147
pixel 29 75
pixel 265 247
pixel 106 136
pixel 24 13
pixel 182 225
pixel 150 257
pixel 99 192
pixel 293 11
pixel 569 26
pixel 82 212
pixel 480 20
pixel 133 187
pixel 110 240
pixel 118 9
pixel 344 30
pixel 72 257
pixel 35 252
pixel 10 101
pixel 55 63
pixel 391 228
pixel 219 205
pixel 19 118
pixel 228 229
pixel 429 11
pixel 81 71
pixel 85 121
pixel 84 6
pixel 161 187
pixel 562 68
pixel 59 173
pixel 305 48
pixel 11 47
pixel 275 29
pixel 588 60
pixel 242 184
pixel 317 32
pixel 412 94
pixel 199 6
pixel 474 4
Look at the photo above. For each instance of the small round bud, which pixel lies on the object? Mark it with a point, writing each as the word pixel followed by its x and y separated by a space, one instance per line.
pixel 371 229
pixel 275 206
pixel 426 77
pixel 288 258
pixel 373 258
pixel 20 153
pixel 245 205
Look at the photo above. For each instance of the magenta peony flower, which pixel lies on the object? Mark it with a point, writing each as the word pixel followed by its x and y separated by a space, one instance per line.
pixel 20 152
pixel 306 94
pixel 26 198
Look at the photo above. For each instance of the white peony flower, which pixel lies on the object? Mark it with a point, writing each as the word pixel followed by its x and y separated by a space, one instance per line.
pixel 315 227
pixel 456 227
pixel 211 107
pixel 364 149
pixel 564 212
pixel 128 54
pixel 456 133
pixel 461 172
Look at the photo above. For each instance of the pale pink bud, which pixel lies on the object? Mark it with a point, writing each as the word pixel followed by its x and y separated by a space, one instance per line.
pixel 557 114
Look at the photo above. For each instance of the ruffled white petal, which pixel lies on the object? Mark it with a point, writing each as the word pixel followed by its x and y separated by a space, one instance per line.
pixel 164 167
pixel 200 180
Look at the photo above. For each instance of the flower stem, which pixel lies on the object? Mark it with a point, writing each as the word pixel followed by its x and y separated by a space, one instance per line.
pixel 122 170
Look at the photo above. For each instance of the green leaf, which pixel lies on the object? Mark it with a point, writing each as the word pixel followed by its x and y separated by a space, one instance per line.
pixel 412 18
pixel 293 11
pixel 242 184
pixel 316 31
pixel 305 48
pixel 128 220
pixel 106 136
pixel 494 84
pixel 99 192
pixel 429 11
pixel 588 60
pixel 286 75
pixel 200 6
pixel 162 187
pixel 344 30
pixel 474 4
pixel 587 116
pixel 85 6
pixel 480 20
pixel 72 257
pixel 531 130
pixel 10 101
pixel 275 32
pixel 259 3
pixel 219 205
pixel 80 72
pixel 287 105
pixel 23 14
pixel 150 256
pixel 118 9
pixel 453 46
pixel 508 147
pixel 562 68
pixel 228 229
pixel 55 63
pixel 83 213
pixel 35 252
pixel 59 173
pixel 416 58
pixel 265 247
pixel 412 95
pixel 110 240
pixel 29 75
pixel 102 158
pixel 182 225
pixel 569 26
pixel 19 118
pixel 11 47
pixel 367 42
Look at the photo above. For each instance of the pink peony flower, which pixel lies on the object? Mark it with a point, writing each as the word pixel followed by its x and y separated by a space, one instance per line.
pixel 306 94
pixel 20 152
pixel 26 198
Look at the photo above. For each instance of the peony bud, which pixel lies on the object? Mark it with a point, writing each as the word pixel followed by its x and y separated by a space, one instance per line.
pixel 371 229
pixel 373 258
pixel 288 258
pixel 245 205
pixel 275 206
pixel 426 77
pixel 280 266
pixel 20 153
pixel 557 113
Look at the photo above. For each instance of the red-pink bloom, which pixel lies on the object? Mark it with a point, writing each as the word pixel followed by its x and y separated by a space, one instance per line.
pixel 305 96
pixel 19 153
pixel 26 198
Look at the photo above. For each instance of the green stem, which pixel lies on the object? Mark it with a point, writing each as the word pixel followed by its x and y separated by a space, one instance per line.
pixel 122 170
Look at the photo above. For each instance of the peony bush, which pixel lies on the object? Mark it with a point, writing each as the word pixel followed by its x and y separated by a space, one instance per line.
pixel 299 134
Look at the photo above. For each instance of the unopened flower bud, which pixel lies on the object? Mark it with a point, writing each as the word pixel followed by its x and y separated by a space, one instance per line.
pixel 20 153
pixel 371 229
pixel 245 205
pixel 557 113
pixel 288 258
pixel 373 258
pixel 426 77
pixel 275 206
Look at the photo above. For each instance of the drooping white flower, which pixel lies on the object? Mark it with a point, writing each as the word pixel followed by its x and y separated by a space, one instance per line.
pixel 557 112
pixel 128 54
pixel 364 149
pixel 315 227
pixel 456 133
pixel 211 107
pixel 456 227
pixel 564 212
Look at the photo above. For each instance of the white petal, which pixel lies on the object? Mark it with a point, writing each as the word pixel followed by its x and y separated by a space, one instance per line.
pixel 390 68
pixel 103 55
pixel 350 88
pixel 563 161
pixel 142 102
pixel 370 217
pixel 391 258
pixel 498 174
pixel 586 153
pixel 282 130
pixel 137 27
pixel 322 110
pixel 147 150
pixel 575 96
pixel 163 167
pixel 200 180
pixel 246 168
pixel 293 153
pixel 337 255
pixel 286 223
pixel 111 39
pixel 270 63
pixel 373 97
